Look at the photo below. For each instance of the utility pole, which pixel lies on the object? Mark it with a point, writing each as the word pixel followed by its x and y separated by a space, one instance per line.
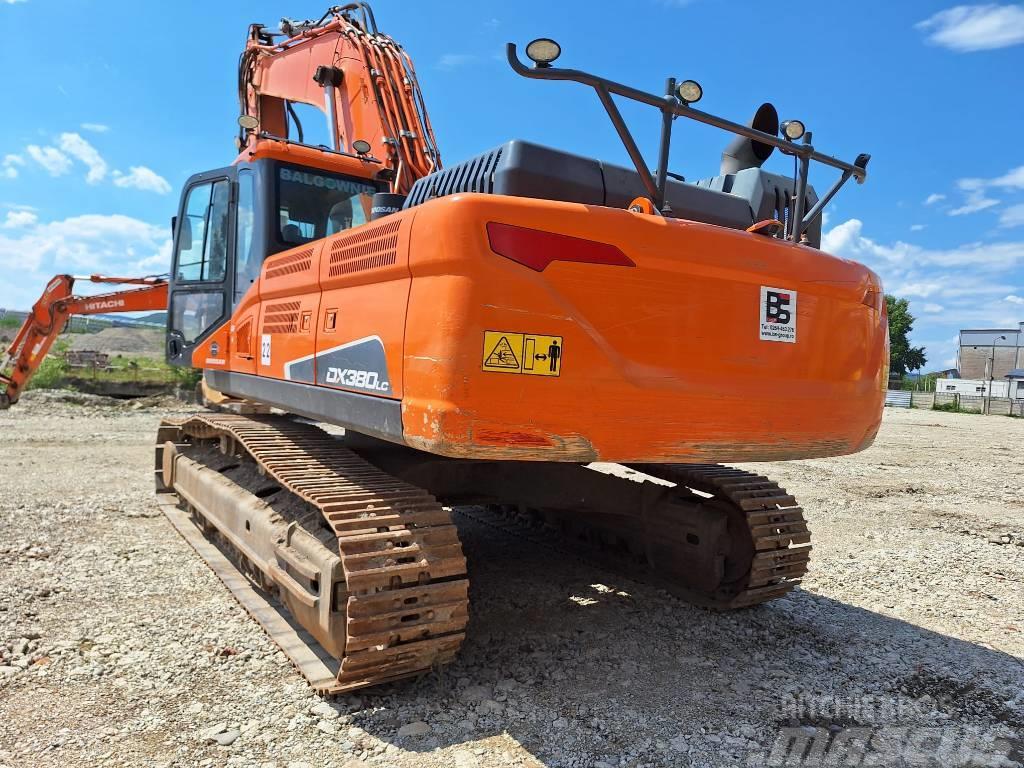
pixel 991 375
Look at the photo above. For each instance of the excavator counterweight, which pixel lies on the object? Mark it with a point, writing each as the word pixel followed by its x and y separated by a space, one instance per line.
pixel 552 343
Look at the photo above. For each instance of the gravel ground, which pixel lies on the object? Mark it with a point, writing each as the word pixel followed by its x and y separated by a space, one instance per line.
pixel 119 647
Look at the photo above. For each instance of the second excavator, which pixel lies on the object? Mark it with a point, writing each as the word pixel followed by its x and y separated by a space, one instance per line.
pixel 484 333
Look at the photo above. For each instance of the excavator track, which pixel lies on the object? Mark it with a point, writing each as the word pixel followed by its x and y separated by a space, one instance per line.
pixel 768 526
pixel 400 602
pixel 779 536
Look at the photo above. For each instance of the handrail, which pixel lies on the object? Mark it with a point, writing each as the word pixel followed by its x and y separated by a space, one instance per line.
pixel 670 106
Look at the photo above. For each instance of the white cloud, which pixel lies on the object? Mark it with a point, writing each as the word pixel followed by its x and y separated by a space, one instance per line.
pixel 449 62
pixel 933 198
pixel 1013 179
pixel 847 239
pixel 16 219
pixel 114 244
pixel 141 177
pixel 80 149
pixel 966 28
pixel 917 227
pixel 1012 216
pixel 9 169
pixel 841 237
pixel 13 2
pixel 95 127
pixel 1014 299
pixel 52 159
pixel 959 287
pixel 976 201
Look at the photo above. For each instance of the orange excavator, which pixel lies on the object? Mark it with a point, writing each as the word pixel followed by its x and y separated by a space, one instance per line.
pixel 50 315
pixel 545 341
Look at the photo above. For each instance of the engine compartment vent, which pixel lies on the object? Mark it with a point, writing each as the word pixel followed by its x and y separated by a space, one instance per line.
pixel 243 339
pixel 368 248
pixel 288 264
pixel 474 175
pixel 282 317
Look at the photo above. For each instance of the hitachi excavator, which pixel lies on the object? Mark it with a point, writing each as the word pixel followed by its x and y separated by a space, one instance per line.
pixel 490 336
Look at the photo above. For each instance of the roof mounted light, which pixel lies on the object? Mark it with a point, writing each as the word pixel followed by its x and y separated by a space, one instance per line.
pixel 793 129
pixel 361 147
pixel 249 122
pixel 543 51
pixel 689 91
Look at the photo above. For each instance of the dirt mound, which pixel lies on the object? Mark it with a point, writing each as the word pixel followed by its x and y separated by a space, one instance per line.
pixel 130 342
pixel 69 396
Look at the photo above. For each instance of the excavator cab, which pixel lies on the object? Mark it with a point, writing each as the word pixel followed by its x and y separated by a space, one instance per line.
pixel 231 219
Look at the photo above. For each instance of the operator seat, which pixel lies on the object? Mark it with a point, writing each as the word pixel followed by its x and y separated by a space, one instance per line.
pixel 292 234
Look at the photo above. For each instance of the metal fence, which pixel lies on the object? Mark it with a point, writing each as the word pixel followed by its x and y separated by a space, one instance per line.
pixel 996 406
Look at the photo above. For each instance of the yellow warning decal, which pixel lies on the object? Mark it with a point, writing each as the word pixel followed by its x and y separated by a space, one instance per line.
pixel 532 354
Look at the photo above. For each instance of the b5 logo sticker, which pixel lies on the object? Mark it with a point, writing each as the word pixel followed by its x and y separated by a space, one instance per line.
pixel 778 314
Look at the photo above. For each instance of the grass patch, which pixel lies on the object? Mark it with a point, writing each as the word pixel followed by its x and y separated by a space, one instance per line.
pixel 53 370
pixel 138 369
pixel 953 408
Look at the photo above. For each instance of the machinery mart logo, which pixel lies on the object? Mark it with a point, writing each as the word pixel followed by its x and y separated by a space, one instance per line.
pixel 778 314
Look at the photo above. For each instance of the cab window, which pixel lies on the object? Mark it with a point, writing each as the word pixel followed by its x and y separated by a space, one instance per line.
pixel 314 204
pixel 247 266
pixel 203 234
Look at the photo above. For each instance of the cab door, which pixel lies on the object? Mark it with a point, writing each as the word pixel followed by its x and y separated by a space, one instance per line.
pixel 203 270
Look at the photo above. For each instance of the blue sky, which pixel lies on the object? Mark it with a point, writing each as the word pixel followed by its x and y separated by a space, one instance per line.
pixel 110 108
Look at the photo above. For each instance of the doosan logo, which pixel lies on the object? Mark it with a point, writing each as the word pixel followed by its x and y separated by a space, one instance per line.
pixel 109 304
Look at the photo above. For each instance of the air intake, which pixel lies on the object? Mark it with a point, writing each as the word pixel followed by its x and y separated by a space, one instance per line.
pixel 475 175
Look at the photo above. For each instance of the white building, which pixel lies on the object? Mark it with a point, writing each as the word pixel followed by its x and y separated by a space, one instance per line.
pixel 1012 388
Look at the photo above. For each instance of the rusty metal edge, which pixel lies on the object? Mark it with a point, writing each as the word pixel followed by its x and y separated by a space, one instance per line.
pixel 298 645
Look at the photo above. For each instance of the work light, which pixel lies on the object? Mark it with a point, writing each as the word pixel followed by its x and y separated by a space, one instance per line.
pixel 793 129
pixel 543 51
pixel 689 91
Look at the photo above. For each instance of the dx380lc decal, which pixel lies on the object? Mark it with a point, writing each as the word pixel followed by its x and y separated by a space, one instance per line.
pixel 358 364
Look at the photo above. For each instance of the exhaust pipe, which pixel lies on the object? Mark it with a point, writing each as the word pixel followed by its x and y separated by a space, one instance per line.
pixel 743 153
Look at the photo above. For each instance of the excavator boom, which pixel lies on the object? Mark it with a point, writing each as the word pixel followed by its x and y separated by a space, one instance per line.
pixel 362 80
pixel 50 314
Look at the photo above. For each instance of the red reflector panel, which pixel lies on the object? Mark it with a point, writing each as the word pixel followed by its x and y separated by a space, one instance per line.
pixel 536 249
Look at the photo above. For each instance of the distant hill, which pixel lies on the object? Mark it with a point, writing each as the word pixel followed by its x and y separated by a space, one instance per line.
pixel 159 318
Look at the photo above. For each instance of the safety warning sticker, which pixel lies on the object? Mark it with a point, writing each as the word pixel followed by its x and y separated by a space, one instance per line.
pixel 532 354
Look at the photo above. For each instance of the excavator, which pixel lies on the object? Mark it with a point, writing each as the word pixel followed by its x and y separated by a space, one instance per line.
pixel 573 348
